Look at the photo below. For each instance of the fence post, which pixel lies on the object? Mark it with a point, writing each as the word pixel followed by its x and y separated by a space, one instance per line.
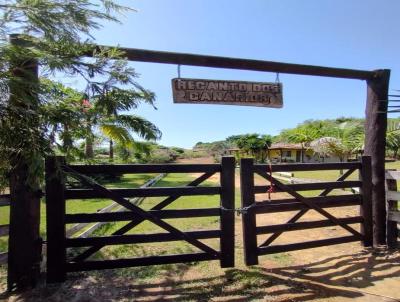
pixel 366 207
pixel 248 217
pixel 25 244
pixel 55 208
pixel 374 146
pixel 227 179
pixel 391 226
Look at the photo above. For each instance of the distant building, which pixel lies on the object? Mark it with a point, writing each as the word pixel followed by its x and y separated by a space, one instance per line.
pixel 294 153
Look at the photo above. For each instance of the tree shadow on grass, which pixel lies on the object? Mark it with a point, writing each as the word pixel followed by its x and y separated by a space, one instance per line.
pixel 359 270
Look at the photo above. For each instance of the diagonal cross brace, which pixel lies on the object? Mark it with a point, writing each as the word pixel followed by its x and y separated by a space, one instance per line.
pixel 142 213
pixel 301 213
pixel 132 224
pixel 310 204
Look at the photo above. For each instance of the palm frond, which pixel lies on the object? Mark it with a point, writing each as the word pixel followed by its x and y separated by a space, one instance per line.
pixel 142 127
pixel 117 133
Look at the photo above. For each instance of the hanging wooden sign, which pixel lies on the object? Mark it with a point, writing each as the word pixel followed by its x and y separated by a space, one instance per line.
pixel 197 91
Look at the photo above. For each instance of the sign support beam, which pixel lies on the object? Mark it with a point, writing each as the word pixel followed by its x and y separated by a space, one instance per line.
pixel 152 56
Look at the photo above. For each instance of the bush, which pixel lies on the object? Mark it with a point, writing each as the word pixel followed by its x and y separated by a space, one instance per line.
pixel 161 156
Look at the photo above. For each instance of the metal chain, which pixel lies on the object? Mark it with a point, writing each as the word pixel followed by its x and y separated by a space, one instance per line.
pixel 239 211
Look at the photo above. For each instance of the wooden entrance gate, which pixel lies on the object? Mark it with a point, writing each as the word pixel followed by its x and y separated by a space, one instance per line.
pixel 57 193
pixel 250 208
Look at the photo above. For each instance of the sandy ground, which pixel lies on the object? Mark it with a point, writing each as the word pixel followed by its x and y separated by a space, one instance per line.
pixel 345 272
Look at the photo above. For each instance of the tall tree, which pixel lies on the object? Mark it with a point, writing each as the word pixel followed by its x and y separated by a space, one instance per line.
pixel 54 36
pixel 254 144
pixel 304 136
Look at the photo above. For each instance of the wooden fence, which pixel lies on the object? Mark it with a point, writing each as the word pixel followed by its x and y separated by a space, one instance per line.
pixel 57 194
pixel 114 207
pixel 303 204
pixel 4 229
pixel 392 205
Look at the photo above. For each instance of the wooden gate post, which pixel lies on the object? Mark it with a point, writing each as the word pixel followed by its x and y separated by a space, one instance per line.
pixel 227 213
pixel 375 142
pixel 248 217
pixel 366 207
pixel 55 208
pixel 25 244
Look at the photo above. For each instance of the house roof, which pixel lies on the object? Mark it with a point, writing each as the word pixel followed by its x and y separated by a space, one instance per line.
pixel 285 146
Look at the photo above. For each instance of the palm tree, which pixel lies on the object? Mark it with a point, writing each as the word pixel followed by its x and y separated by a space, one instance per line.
pixel 104 113
pixel 303 135
pixel 119 128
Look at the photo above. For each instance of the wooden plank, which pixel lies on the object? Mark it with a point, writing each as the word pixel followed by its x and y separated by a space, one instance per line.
pixel 3 258
pixel 4 229
pixel 374 146
pixel 286 227
pixel 138 238
pixel 83 224
pixel 248 217
pixel 152 56
pixel 307 167
pixel 366 207
pixel 394 216
pixel 146 168
pixel 392 174
pixel 314 186
pixel 305 245
pixel 393 195
pixel 127 215
pixel 55 220
pixel 294 206
pixel 129 226
pixel 143 261
pixel 227 221
pixel 143 192
pixel 223 92
pixel 392 231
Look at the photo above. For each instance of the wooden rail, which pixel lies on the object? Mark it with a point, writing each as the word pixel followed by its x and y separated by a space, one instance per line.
pixel 110 208
pixel 5 200
pixel 392 205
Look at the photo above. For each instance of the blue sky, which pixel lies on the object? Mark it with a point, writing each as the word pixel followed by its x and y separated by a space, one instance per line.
pixel 360 34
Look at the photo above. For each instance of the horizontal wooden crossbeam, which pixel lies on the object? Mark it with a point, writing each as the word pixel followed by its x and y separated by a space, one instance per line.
pixel 313 186
pixel 143 192
pixel 152 56
pixel 307 167
pixel 289 205
pixel 141 168
pixel 143 261
pixel 305 225
pixel 127 216
pixel 305 245
pixel 138 238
